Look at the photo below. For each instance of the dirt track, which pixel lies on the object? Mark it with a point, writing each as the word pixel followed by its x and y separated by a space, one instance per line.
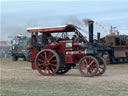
pixel 18 79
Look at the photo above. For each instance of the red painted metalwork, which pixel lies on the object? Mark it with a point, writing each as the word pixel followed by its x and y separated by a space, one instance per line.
pixel 76 53
pixel 62 47
pixel 34 53
pixel 53 45
pixel 75 44
pixel 108 58
pixel 69 59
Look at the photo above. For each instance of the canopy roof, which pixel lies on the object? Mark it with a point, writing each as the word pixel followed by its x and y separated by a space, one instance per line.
pixel 64 28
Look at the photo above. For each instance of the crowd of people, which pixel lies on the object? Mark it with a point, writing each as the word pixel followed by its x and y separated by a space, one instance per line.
pixel 4 53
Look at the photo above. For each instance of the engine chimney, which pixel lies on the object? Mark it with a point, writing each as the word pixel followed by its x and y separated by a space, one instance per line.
pixel 98 36
pixel 90 33
pixel 91 50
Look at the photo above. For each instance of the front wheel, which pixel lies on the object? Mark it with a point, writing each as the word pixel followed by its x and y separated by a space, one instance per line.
pixel 88 66
pixel 47 62
pixel 102 65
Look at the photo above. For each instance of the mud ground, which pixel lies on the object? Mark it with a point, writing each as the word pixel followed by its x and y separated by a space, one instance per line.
pixel 18 79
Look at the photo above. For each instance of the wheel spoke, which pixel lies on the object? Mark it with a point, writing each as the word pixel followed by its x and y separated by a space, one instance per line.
pixel 40 60
pixel 94 65
pixel 52 60
pixel 93 70
pixel 45 55
pixel 85 62
pixel 91 62
pixel 41 66
pixel 52 69
pixel 88 60
pixel 42 56
pixel 52 64
pixel 48 70
pixel 51 57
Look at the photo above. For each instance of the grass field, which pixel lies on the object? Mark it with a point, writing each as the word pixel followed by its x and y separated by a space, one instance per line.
pixel 18 79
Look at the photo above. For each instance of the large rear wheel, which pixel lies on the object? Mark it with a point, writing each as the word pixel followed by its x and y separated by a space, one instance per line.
pixel 47 62
pixel 88 66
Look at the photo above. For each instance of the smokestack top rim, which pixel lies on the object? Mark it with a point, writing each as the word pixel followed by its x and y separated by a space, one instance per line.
pixel 90 22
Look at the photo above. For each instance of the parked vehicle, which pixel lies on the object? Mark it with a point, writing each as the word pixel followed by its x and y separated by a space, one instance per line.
pixel 19 48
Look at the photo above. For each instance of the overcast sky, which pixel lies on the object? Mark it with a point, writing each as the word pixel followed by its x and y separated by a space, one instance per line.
pixel 16 16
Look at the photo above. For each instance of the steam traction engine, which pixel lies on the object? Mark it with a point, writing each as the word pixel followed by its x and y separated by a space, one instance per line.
pixel 57 55
pixel 115 46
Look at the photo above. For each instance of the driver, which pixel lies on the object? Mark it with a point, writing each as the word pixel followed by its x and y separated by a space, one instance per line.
pixel 74 38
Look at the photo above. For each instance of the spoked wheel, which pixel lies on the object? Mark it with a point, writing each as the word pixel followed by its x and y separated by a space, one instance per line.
pixel 63 70
pixel 102 65
pixel 47 62
pixel 88 66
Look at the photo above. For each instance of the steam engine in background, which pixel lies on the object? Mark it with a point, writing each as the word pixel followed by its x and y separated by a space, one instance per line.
pixel 114 45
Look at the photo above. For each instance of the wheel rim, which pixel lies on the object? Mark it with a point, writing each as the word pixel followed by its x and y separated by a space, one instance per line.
pixel 102 66
pixel 88 66
pixel 47 62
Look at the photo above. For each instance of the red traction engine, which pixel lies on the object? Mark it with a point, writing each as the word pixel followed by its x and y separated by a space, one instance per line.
pixel 57 55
